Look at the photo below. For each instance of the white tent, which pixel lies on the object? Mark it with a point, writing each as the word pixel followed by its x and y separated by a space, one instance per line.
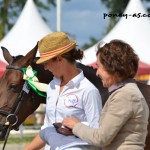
pixel 29 28
pixel 133 30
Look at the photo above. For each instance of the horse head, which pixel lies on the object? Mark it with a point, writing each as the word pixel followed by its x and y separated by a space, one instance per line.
pixel 16 105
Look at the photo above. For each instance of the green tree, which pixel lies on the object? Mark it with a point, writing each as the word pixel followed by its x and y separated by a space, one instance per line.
pixel 10 10
pixel 91 43
pixel 114 7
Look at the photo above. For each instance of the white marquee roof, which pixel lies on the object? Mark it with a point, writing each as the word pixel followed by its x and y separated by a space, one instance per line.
pixel 29 28
pixel 135 31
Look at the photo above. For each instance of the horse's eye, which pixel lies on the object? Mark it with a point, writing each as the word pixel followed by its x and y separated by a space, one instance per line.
pixel 14 87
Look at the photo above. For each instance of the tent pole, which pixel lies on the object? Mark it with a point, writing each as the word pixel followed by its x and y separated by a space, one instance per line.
pixel 58 15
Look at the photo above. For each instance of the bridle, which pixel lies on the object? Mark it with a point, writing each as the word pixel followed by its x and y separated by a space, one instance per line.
pixel 11 117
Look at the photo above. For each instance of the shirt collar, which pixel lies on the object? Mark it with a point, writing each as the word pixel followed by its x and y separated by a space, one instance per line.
pixel 119 85
pixel 75 81
pixel 57 80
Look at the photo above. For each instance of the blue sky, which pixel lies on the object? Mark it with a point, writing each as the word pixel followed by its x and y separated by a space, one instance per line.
pixel 81 18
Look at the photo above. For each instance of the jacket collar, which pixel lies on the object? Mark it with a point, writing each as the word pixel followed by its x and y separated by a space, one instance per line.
pixel 118 85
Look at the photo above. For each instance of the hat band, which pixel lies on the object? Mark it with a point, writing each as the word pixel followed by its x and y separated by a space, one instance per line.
pixel 55 52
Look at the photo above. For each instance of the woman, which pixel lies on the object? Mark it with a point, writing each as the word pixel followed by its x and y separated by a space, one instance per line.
pixel 69 93
pixel 124 118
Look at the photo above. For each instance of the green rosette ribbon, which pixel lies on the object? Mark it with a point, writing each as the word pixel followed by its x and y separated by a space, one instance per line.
pixel 32 80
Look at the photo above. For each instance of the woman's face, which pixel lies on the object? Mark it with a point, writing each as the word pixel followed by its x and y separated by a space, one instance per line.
pixel 53 66
pixel 107 79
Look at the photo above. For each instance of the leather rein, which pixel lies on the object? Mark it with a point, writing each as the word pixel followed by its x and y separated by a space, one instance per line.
pixel 11 117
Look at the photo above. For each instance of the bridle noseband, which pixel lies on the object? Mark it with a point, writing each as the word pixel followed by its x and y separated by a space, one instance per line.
pixel 11 117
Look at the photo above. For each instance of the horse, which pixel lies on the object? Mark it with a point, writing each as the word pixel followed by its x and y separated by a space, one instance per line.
pixel 17 102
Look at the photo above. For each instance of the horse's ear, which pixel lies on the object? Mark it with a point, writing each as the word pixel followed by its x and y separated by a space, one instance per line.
pixel 7 55
pixel 29 57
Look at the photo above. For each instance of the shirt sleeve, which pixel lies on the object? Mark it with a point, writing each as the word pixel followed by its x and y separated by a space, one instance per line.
pixel 118 112
pixel 93 107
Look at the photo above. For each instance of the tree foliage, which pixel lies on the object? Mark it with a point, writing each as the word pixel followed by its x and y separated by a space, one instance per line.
pixel 113 7
pixel 91 43
pixel 11 9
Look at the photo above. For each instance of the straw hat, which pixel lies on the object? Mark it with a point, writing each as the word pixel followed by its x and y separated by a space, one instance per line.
pixel 53 45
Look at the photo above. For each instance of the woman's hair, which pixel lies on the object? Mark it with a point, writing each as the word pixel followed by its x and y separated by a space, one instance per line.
pixel 118 58
pixel 73 55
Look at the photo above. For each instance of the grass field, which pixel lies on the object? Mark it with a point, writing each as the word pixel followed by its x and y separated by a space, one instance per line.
pixel 17 139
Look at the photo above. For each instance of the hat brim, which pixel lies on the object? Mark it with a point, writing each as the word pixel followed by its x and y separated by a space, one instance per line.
pixel 43 60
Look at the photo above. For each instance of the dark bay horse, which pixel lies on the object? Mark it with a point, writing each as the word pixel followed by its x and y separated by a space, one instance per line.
pixel 16 105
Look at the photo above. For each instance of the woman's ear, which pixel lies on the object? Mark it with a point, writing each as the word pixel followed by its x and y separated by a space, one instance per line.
pixel 59 58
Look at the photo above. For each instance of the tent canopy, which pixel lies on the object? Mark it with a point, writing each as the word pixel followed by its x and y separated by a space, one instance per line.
pixel 28 30
pixel 143 68
pixel 2 67
pixel 133 30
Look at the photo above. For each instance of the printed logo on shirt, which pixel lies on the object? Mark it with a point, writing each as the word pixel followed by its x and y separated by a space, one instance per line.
pixel 71 100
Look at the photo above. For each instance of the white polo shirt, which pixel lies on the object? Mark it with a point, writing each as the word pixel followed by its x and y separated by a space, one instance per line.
pixel 79 98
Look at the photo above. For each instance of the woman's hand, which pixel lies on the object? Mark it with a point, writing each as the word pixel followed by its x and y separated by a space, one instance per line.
pixel 70 122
